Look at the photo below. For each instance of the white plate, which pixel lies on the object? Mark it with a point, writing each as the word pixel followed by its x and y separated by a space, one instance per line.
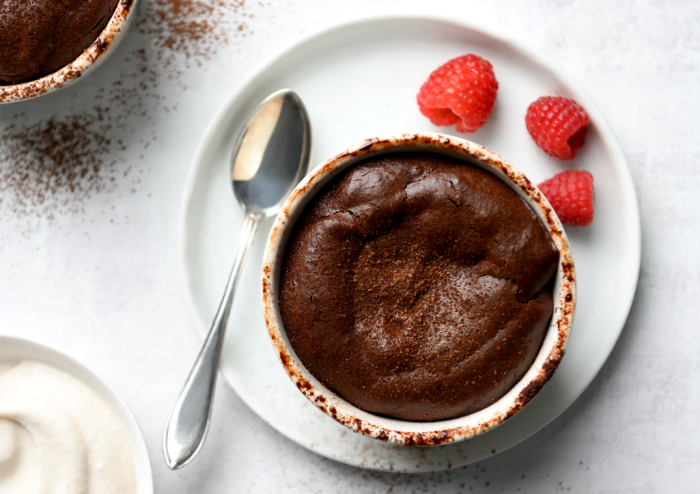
pixel 360 80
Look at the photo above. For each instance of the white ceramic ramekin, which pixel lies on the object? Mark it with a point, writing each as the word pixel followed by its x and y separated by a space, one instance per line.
pixel 91 57
pixel 400 431
pixel 19 349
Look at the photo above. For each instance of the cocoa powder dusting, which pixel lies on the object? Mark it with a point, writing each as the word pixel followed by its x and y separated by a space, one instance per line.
pixel 196 29
pixel 50 164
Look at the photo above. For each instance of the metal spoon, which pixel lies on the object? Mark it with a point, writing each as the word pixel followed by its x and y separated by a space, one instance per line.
pixel 270 156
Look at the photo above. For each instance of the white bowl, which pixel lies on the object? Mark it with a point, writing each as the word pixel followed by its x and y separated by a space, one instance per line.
pixel 401 431
pixel 90 58
pixel 19 349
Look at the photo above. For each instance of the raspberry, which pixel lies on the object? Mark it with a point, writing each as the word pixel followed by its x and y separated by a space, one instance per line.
pixel 571 196
pixel 462 91
pixel 557 125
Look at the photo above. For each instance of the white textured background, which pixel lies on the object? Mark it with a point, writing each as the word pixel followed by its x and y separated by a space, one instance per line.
pixel 104 287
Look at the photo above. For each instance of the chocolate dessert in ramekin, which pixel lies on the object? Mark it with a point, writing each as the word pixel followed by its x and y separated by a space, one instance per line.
pixel 46 45
pixel 418 289
pixel 41 36
pixel 418 286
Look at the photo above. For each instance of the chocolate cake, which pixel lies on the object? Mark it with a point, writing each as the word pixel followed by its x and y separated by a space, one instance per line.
pixel 418 286
pixel 38 37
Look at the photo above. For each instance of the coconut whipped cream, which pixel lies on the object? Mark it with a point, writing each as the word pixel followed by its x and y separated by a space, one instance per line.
pixel 57 435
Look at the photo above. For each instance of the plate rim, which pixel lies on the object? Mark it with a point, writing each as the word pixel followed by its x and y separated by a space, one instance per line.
pixel 497 34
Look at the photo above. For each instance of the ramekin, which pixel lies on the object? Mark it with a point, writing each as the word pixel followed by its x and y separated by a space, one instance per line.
pixel 19 349
pixel 401 431
pixel 90 58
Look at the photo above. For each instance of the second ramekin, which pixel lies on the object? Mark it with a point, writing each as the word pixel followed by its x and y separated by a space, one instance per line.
pixel 90 58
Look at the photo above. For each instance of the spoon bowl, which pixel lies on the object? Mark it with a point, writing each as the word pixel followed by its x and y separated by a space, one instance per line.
pixel 271 153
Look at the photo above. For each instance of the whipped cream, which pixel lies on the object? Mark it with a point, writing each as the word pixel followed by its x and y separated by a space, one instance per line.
pixel 57 435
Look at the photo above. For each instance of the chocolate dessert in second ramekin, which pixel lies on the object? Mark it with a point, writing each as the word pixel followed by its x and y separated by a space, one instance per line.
pixel 41 36
pixel 418 286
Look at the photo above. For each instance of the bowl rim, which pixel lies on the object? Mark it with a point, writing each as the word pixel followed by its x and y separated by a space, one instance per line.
pixel 30 350
pixel 66 75
pixel 400 431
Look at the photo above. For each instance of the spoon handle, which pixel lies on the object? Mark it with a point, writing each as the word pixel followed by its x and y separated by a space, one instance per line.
pixel 189 421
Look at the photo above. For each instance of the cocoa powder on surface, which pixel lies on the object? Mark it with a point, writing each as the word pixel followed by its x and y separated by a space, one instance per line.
pixel 52 166
pixel 191 31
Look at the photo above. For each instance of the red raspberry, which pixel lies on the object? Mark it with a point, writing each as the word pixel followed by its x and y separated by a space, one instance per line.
pixel 557 125
pixel 462 91
pixel 571 196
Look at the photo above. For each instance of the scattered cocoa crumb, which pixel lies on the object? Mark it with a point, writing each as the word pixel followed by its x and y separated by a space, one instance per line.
pixel 195 29
pixel 52 166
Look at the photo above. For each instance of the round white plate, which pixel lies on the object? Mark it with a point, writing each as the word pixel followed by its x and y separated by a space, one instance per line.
pixel 360 80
